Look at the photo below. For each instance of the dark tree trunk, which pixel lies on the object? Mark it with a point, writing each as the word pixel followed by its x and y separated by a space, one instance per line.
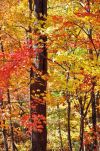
pixel 81 125
pixel 68 116
pixel 11 126
pixel 68 120
pixel 94 122
pixel 59 128
pixel 5 139
pixel 93 100
pixel 69 135
pixel 98 103
pixel 38 88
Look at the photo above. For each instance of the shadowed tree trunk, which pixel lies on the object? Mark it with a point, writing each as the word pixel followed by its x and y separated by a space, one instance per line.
pixel 68 115
pixel 94 122
pixel 59 127
pixel 10 123
pixel 5 139
pixel 81 124
pixel 38 88
pixel 98 103
pixel 93 99
pixel 69 135
pixel 68 118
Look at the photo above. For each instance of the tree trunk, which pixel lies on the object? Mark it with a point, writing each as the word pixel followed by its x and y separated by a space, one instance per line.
pixel 38 88
pixel 59 128
pixel 11 126
pixel 68 115
pixel 94 115
pixel 93 100
pixel 5 139
pixel 68 120
pixel 98 103
pixel 81 125
pixel 69 135
pixel 3 129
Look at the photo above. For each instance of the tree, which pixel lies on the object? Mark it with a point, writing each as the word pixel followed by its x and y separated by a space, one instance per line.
pixel 38 88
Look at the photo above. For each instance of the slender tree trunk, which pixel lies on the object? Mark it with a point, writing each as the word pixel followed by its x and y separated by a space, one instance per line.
pixel 11 126
pixel 69 135
pixel 81 125
pixel 93 100
pixel 3 129
pixel 59 127
pixel 94 122
pixel 98 103
pixel 38 88
pixel 68 116
pixel 5 139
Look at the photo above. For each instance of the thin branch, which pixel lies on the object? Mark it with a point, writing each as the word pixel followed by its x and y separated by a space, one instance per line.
pixel 87 108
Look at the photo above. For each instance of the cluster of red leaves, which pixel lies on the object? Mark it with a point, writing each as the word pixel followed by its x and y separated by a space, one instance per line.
pixel 12 61
pixel 57 19
pixel 84 14
pixel 34 122
pixel 90 135
pixel 86 82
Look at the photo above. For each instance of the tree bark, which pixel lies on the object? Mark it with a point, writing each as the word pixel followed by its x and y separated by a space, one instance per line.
pixel 94 122
pixel 38 88
pixel 81 125
pixel 68 116
pixel 11 126
pixel 69 135
pixel 98 103
pixel 93 100
pixel 5 139
pixel 59 127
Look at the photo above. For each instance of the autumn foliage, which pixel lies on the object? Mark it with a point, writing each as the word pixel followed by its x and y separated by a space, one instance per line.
pixel 73 78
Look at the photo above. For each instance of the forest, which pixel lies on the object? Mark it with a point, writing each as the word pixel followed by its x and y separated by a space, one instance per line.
pixel 49 75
